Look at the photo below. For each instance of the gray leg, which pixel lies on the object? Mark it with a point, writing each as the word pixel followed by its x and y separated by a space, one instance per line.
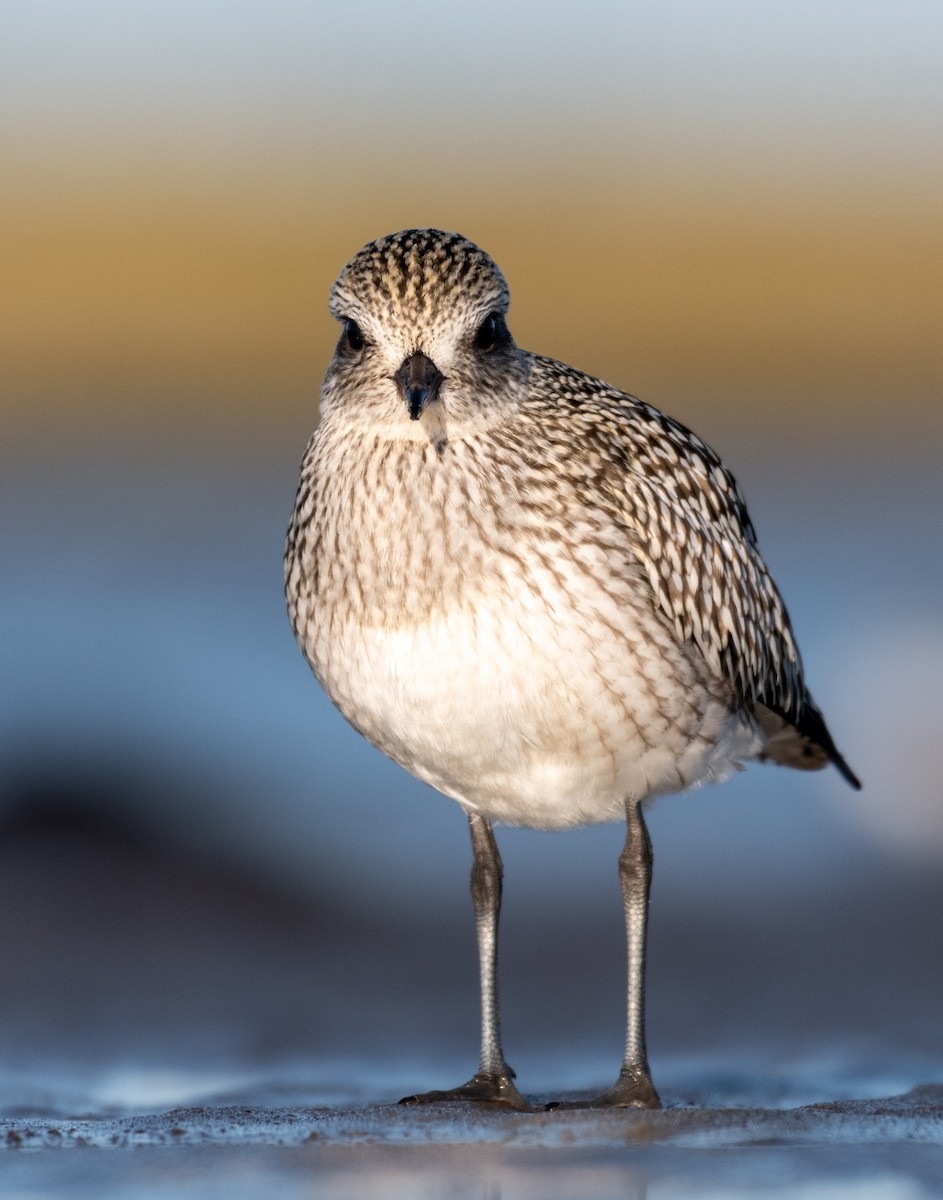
pixel 634 1087
pixel 486 886
pixel 494 1079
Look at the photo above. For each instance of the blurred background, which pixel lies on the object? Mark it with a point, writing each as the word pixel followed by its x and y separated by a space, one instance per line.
pixel 208 881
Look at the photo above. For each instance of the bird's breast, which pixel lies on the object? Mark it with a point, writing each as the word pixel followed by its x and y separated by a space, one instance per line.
pixel 510 657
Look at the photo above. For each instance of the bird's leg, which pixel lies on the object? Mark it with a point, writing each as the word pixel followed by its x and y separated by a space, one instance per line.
pixel 494 1081
pixel 634 1087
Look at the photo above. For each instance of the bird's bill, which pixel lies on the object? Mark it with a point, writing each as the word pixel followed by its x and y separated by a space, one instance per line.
pixel 418 380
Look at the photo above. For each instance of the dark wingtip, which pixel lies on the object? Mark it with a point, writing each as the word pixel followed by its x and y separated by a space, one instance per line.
pixel 845 770
pixel 811 724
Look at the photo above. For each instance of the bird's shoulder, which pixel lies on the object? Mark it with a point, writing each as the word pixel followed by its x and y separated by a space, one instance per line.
pixel 626 437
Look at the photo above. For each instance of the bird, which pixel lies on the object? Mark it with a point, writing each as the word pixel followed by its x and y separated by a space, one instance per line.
pixel 533 591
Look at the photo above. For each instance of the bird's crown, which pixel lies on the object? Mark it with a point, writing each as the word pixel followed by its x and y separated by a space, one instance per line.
pixel 411 274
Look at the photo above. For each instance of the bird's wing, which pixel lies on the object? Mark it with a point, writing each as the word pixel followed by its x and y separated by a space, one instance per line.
pixel 690 529
pixel 698 546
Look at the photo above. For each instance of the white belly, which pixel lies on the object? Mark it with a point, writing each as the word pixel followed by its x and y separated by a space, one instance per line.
pixel 549 719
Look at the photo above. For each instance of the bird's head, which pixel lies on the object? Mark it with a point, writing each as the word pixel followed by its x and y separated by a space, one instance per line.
pixel 424 352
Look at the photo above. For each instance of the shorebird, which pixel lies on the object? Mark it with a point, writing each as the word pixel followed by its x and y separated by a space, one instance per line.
pixel 535 592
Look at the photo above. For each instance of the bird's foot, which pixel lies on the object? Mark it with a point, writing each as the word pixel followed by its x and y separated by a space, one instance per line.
pixel 483 1088
pixel 633 1089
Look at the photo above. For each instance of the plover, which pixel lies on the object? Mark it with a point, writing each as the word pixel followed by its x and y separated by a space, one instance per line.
pixel 535 592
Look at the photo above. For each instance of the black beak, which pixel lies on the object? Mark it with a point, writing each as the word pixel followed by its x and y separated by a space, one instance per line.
pixel 418 379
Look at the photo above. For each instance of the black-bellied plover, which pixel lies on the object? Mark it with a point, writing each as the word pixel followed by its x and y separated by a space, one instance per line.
pixel 533 591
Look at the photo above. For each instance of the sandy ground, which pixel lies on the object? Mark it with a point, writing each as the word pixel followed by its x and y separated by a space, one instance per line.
pixel 878 1148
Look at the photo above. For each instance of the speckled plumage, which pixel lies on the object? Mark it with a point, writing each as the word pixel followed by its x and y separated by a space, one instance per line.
pixel 537 514
pixel 535 592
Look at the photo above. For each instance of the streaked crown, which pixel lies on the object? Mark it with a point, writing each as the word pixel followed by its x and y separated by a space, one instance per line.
pixel 409 276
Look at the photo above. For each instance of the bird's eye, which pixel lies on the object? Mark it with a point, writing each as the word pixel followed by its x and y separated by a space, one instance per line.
pixel 352 337
pixel 490 332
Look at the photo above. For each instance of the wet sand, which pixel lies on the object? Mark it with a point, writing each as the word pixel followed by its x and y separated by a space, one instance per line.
pixel 882 1148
